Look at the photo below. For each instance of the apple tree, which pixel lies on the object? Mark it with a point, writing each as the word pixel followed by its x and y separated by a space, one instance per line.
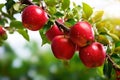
pixel 68 30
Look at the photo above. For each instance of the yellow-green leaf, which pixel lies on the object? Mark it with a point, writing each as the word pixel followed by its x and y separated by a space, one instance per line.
pixel 115 37
pixel 87 10
pixel 97 16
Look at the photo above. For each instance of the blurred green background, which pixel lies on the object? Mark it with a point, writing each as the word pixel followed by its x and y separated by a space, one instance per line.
pixel 42 65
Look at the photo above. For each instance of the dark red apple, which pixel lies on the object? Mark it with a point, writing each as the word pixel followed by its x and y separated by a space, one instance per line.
pixel 3 34
pixel 93 55
pixel 62 47
pixel 82 33
pixel 53 32
pixel 34 17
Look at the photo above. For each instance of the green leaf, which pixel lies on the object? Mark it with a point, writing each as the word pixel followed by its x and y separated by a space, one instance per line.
pixel 24 33
pixel 116 58
pixel 117 50
pixel 9 6
pixel 70 22
pixel 87 10
pixel 65 4
pixel 59 14
pixel 16 6
pixel 107 69
pixel 115 37
pixel 3 21
pixel 43 36
pixel 43 31
pixel 97 16
pixel 117 44
pixel 16 24
pixel 52 10
pixel 51 2
pixel 1 6
pixel 103 39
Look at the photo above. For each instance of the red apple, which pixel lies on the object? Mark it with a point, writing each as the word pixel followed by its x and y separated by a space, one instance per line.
pixel 34 17
pixel 62 47
pixel 82 33
pixel 3 34
pixel 93 55
pixel 54 31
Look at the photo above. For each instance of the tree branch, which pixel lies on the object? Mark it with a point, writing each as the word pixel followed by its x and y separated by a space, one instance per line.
pixel 115 66
pixel 62 26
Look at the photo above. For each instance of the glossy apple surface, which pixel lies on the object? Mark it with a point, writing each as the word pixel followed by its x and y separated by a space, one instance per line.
pixel 93 55
pixel 82 33
pixel 34 17
pixel 62 48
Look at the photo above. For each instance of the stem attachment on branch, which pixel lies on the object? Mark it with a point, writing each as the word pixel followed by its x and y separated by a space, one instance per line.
pixel 62 26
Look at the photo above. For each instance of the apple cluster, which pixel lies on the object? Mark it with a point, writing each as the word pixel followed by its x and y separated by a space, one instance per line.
pixel 79 38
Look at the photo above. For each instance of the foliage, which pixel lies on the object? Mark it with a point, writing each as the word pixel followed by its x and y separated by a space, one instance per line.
pixel 107 32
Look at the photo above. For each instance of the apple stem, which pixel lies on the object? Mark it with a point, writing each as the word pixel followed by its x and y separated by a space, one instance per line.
pixel 115 66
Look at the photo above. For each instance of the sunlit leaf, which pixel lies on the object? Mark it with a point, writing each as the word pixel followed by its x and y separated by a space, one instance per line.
pixel 24 33
pixel 16 6
pixel 52 10
pixel 51 2
pixel 65 4
pixel 97 16
pixel 103 39
pixel 117 50
pixel 87 10
pixel 115 37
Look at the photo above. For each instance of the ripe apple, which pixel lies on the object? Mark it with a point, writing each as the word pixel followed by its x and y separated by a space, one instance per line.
pixel 34 17
pixel 3 34
pixel 54 31
pixel 82 33
pixel 62 47
pixel 93 55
